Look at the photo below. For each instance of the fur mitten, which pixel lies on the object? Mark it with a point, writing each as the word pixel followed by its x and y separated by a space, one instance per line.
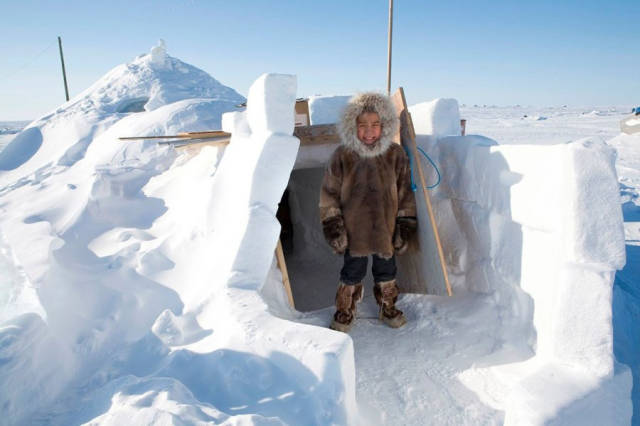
pixel 335 233
pixel 405 230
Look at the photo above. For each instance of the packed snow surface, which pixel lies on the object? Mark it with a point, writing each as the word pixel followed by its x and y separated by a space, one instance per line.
pixel 138 283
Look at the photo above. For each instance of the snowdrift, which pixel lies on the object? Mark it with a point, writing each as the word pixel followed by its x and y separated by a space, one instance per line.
pixel 140 283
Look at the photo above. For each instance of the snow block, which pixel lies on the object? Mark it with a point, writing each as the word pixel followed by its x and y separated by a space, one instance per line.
pixel 594 225
pixel 158 54
pixel 269 104
pixel 235 122
pixel 535 194
pixel 326 109
pixel 440 117
pixel 268 181
pixel 581 323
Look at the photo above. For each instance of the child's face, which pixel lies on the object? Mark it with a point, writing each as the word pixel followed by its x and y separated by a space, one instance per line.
pixel 369 127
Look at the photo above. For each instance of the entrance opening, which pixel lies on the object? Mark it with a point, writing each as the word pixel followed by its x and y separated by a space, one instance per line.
pixel 312 268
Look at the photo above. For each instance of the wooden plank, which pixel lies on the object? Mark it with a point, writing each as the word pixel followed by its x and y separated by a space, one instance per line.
pixel 182 135
pixel 432 262
pixel 319 134
pixel 285 274
pixel 205 134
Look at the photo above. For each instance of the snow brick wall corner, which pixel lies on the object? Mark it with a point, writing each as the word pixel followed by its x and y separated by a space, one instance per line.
pixel 540 227
pixel 254 172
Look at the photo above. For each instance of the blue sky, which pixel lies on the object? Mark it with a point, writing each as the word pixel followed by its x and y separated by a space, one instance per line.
pixel 544 53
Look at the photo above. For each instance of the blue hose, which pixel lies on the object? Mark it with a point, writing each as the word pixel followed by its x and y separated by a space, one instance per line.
pixel 413 185
pixel 434 167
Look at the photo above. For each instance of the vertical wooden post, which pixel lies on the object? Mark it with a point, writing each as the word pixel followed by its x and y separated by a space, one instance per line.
pixel 389 47
pixel 285 274
pixel 64 72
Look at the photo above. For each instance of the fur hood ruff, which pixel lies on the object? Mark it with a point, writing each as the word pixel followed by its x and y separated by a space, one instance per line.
pixel 348 128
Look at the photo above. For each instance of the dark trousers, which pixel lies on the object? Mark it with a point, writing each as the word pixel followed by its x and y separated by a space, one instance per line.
pixel 355 268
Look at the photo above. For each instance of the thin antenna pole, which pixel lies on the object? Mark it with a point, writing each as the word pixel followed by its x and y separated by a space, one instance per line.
pixel 389 47
pixel 64 72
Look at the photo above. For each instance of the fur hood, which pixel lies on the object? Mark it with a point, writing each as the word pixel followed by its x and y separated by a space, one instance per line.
pixel 368 102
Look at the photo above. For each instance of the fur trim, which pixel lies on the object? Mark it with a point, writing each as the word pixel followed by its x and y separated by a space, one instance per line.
pixel 368 102
pixel 347 298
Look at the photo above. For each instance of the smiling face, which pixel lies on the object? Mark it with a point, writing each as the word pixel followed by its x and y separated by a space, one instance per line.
pixel 369 128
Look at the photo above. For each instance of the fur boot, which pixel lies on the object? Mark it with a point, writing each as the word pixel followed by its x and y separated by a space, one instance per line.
pixel 347 298
pixel 386 293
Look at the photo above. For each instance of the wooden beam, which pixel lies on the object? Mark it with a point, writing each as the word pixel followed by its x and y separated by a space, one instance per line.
pixel 318 134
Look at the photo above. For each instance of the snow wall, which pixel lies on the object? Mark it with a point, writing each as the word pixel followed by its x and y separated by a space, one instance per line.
pixel 258 163
pixel 541 229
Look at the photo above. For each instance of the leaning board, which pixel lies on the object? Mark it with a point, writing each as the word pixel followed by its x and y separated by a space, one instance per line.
pixel 422 270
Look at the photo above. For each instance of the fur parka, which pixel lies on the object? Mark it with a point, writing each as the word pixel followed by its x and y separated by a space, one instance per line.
pixel 368 187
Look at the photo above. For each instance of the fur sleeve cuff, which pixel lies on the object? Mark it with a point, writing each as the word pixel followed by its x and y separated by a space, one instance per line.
pixel 329 212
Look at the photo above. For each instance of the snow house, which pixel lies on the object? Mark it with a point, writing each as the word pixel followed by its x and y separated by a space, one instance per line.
pixel 530 270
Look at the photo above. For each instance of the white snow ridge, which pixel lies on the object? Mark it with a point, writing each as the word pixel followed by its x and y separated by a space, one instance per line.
pixel 138 283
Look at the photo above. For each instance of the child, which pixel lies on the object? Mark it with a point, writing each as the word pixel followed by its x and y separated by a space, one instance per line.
pixel 367 206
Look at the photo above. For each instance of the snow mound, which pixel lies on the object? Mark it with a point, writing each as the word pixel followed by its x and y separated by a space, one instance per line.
pixel 156 77
pixel 133 270
pixel 595 113
pixel 149 82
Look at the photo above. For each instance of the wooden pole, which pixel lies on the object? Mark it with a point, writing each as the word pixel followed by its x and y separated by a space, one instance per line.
pixel 407 135
pixel 64 72
pixel 425 192
pixel 285 273
pixel 389 47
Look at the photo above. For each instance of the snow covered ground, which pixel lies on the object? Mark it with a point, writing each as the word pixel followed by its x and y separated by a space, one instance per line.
pixel 138 288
